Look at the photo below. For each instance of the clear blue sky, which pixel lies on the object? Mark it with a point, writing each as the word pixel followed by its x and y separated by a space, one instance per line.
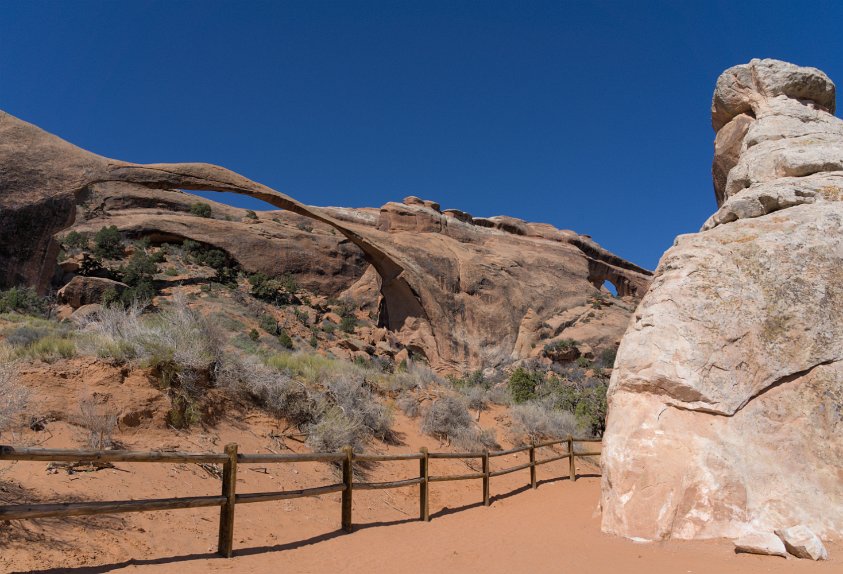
pixel 592 116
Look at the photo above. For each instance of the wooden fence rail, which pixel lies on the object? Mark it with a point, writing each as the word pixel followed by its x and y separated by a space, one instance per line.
pixel 230 459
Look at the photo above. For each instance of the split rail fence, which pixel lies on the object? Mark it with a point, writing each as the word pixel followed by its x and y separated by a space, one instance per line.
pixel 230 458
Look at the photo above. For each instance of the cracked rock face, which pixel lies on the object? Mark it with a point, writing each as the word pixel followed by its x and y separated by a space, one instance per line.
pixel 726 402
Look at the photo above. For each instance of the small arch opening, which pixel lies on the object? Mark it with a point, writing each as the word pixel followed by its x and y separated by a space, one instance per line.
pixel 234 200
pixel 610 287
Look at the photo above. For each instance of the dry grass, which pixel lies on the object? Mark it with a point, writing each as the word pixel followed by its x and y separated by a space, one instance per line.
pixel 538 419
pixel 13 396
pixel 448 420
pixel 99 419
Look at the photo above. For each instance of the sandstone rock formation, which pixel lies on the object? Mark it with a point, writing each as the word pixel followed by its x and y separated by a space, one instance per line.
pixel 455 289
pixel 726 403
pixel 82 291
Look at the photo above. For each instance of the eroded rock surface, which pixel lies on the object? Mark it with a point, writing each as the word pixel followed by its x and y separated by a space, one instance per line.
pixel 726 403
pixel 453 288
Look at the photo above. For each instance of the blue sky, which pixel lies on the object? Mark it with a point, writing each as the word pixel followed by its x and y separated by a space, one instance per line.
pixel 592 116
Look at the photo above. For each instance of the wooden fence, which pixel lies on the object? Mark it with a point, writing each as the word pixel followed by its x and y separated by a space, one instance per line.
pixel 230 459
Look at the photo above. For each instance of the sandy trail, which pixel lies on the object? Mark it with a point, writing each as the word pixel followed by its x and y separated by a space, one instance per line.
pixel 555 528
pixel 552 529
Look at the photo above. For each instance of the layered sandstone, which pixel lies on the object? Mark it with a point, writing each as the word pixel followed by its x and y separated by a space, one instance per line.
pixel 460 291
pixel 726 403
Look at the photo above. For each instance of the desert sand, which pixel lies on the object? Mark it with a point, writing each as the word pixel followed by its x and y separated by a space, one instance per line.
pixel 555 528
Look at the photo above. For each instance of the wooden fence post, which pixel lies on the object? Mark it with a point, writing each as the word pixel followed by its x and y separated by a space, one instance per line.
pixel 572 464
pixel 424 485
pixel 229 486
pixel 486 501
pixel 532 465
pixel 347 479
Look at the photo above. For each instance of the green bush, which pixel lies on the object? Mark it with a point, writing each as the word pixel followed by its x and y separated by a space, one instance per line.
pixel 591 409
pixel 272 291
pixel 75 240
pixel 139 275
pixel 92 267
pixel 523 383
pixel 607 357
pixel 583 363
pixel 285 339
pixel 200 209
pixel 216 259
pixel 251 214
pixel 473 379
pixel 561 345
pixel 268 324
pixel 23 300
pixel 347 324
pixel 108 243
pixel 254 335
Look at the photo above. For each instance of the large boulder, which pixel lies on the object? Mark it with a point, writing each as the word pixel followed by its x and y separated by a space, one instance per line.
pixel 726 401
pixel 81 291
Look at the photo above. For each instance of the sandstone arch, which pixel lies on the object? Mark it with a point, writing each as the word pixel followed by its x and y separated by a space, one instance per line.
pixel 458 296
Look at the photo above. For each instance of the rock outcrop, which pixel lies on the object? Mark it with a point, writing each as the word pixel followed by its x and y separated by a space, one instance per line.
pixel 726 403
pixel 453 288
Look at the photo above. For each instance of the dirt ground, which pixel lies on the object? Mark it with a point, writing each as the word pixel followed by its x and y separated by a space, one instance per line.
pixel 555 528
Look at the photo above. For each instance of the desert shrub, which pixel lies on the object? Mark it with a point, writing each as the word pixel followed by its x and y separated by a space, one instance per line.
pixel 92 267
pixel 75 240
pixel 108 243
pixel 583 362
pixel 138 274
pixel 538 419
pixel 274 291
pixel 445 417
pixel 251 214
pixel 561 345
pixel 23 300
pixel 408 404
pixel 314 342
pixel 424 375
pixel 470 380
pixel 110 297
pixel 284 339
pixel 216 259
pixel 171 272
pixel 477 398
pixel 607 357
pixel 26 335
pixel 309 367
pixel 177 344
pixel 275 392
pixel 51 348
pixel 347 324
pixel 254 335
pixel 200 209
pixel 523 383
pixel 591 408
pixel 99 420
pixel 301 316
pixel 13 396
pixel 269 324
pixel 448 419
pixel 43 340
pixel 288 283
pixel 357 402
pixel 335 430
